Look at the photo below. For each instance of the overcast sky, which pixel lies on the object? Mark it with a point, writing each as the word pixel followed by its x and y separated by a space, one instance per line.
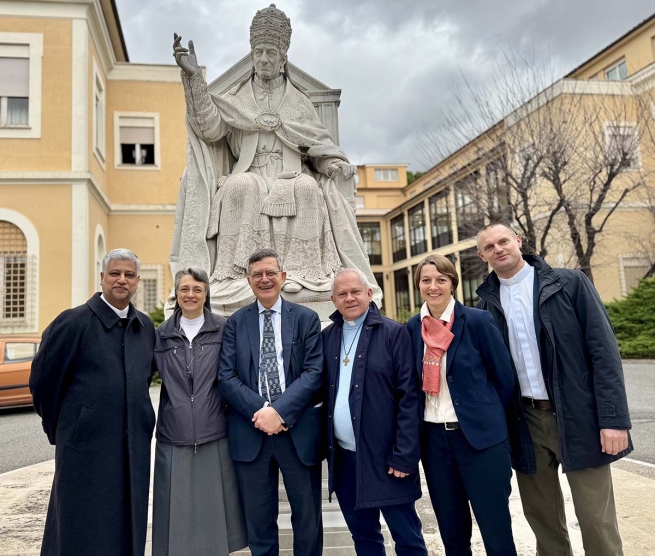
pixel 396 63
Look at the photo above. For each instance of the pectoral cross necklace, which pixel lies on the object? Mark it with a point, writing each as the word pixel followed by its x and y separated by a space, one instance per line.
pixel 346 359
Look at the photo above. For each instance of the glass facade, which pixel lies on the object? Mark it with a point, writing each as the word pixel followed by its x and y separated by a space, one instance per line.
pixel 370 232
pixel 398 239
pixel 418 242
pixel 469 217
pixel 473 272
pixel 401 285
pixel 440 227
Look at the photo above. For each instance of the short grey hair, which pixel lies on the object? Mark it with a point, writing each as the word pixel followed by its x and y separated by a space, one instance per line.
pixel 121 254
pixel 198 275
pixel 362 278
pixel 264 254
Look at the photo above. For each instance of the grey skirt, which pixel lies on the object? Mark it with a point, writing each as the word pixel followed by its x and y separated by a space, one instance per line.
pixel 197 507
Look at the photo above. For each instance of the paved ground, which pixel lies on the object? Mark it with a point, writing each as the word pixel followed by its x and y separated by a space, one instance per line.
pixel 640 384
pixel 22 440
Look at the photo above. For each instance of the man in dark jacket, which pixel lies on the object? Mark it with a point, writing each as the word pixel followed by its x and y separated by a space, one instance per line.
pixel 373 420
pixel 571 407
pixel 270 374
pixel 90 383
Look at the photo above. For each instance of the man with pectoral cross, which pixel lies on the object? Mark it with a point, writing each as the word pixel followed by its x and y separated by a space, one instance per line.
pixel 270 374
pixel 373 420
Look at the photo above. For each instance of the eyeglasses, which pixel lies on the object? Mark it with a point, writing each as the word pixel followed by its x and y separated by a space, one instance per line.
pixel 270 274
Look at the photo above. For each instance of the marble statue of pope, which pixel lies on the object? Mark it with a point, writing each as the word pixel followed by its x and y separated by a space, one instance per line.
pixel 261 172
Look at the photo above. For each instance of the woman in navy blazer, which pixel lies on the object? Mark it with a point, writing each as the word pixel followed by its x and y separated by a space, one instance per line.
pixel 467 386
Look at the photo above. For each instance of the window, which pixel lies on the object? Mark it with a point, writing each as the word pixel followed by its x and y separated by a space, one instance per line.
pixel 617 71
pixel 398 241
pixel 418 242
pixel 360 202
pixel 473 272
pixel 633 268
pixel 386 175
pixel 150 293
pixel 98 115
pixel 418 300
pixel 13 274
pixel 622 146
pixel 14 91
pixel 469 217
pixel 442 233
pixel 370 232
pixel 20 85
pixel 401 285
pixel 499 206
pixel 379 278
pixel 137 140
pixel 16 352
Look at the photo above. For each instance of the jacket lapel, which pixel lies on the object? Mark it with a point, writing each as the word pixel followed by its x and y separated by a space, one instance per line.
pixel 419 348
pixel 458 328
pixel 288 323
pixel 252 325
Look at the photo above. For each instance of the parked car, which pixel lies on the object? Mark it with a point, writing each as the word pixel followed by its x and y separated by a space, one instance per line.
pixel 16 354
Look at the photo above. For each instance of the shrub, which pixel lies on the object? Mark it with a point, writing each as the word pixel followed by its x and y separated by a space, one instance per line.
pixel 157 317
pixel 633 319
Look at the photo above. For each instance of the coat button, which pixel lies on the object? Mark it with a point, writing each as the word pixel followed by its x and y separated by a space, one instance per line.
pixel 456 402
pixel 450 378
pixel 354 418
pixel 120 323
pixel 356 385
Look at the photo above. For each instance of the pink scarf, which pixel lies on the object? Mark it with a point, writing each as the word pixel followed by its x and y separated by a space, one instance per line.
pixel 436 337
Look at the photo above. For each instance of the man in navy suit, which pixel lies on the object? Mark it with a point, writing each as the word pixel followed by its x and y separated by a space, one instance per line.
pixel 270 374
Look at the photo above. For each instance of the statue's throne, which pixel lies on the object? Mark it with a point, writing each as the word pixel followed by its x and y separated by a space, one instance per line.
pixel 325 100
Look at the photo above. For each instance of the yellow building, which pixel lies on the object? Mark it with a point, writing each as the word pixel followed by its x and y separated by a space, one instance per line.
pixel 91 151
pixel 442 210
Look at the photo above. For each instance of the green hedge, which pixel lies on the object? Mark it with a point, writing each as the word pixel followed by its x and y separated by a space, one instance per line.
pixel 634 321
pixel 157 317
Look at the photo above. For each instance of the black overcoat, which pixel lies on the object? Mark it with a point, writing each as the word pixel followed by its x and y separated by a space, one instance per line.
pixel 90 382
pixel 580 362
pixel 384 405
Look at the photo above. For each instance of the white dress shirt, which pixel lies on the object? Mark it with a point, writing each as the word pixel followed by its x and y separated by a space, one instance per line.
pixel 122 313
pixel 276 318
pixel 440 409
pixel 517 300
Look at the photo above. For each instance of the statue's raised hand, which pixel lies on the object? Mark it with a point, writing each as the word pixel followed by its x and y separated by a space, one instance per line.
pixel 185 57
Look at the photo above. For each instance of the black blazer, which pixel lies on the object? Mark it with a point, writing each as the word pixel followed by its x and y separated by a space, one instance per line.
pixel 479 374
pixel 238 381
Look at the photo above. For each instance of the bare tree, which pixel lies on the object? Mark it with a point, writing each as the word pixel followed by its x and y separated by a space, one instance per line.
pixel 558 159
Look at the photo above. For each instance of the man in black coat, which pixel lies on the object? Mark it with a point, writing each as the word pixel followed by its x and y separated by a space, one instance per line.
pixel 373 420
pixel 90 383
pixel 570 407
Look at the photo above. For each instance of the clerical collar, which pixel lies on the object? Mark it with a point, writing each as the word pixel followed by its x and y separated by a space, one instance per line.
pixel 526 271
pixel 269 83
pixel 359 320
pixel 122 313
